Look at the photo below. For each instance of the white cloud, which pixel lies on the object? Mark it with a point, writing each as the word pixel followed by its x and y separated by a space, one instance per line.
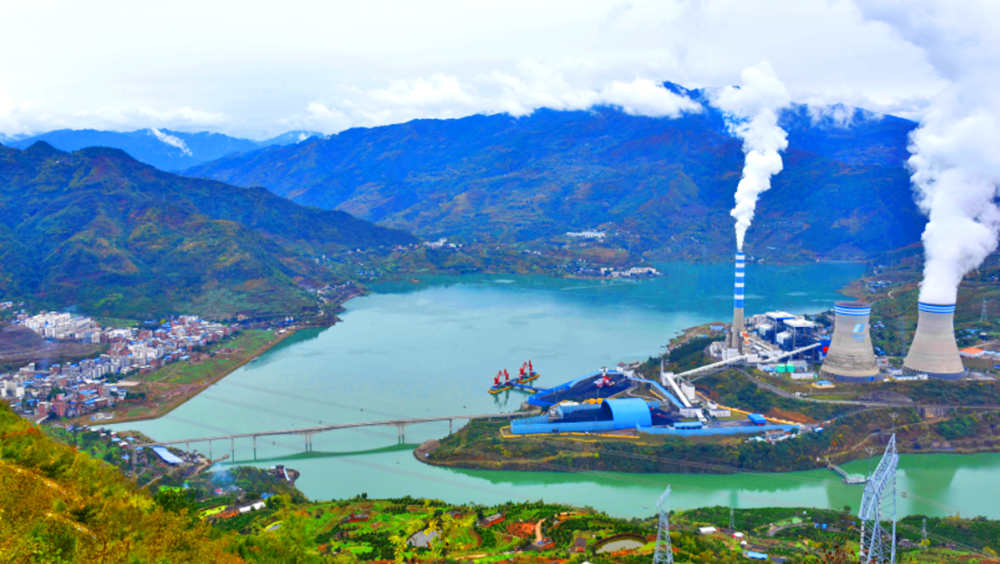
pixel 528 87
pixel 435 58
pixel 647 98
pixel 32 118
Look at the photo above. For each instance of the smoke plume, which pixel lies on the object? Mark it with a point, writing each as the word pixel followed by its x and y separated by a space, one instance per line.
pixel 171 140
pixel 751 113
pixel 955 153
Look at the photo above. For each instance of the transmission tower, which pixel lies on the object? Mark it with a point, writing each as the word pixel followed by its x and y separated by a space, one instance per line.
pixel 878 506
pixel 982 316
pixel 923 534
pixel 732 519
pixel 664 553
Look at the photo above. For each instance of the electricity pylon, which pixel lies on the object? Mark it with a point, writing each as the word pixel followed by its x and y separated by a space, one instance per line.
pixel 878 504
pixel 664 553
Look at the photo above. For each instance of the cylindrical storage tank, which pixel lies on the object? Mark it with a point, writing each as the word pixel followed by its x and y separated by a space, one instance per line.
pixel 851 356
pixel 736 337
pixel 934 351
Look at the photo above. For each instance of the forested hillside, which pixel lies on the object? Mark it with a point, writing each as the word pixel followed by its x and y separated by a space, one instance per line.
pixel 101 231
pixel 60 505
pixel 667 183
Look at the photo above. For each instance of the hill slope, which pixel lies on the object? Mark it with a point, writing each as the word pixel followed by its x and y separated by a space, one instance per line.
pixel 60 505
pixel 162 148
pixel 97 229
pixel 843 192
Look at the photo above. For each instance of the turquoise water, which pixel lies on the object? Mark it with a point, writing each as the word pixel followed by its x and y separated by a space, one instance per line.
pixel 431 348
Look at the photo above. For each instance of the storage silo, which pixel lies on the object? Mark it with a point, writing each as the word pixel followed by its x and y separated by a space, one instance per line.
pixel 934 351
pixel 736 335
pixel 851 356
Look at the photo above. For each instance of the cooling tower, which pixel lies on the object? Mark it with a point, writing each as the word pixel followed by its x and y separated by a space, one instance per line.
pixel 851 356
pixel 736 336
pixel 934 351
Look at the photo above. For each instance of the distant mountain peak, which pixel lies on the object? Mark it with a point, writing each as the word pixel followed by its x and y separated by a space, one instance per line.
pixel 42 149
pixel 163 148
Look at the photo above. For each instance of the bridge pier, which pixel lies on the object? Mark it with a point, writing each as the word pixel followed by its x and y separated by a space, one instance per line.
pixel 232 449
pixel 255 447
pixel 210 450
pixel 449 427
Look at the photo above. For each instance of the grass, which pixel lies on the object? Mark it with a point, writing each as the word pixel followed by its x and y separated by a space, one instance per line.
pixel 116 322
pixel 172 385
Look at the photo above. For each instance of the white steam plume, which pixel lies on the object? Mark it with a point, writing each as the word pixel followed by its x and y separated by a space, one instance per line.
pixel 751 112
pixel 955 153
pixel 956 170
pixel 171 140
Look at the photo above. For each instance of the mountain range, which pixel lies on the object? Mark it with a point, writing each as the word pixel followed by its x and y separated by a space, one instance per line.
pixel 666 185
pixel 162 148
pixel 98 230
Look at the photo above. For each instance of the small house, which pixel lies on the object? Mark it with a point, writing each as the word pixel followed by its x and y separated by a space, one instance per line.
pixel 492 520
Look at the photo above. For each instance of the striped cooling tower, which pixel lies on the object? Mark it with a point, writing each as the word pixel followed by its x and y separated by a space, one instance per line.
pixel 736 337
pixel 934 351
pixel 851 356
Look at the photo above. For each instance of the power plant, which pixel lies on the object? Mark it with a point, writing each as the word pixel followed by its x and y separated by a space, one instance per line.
pixel 934 351
pixel 851 356
pixel 736 336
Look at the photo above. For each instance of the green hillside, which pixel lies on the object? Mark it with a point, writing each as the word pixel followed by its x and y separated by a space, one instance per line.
pixel 659 186
pixel 60 505
pixel 101 231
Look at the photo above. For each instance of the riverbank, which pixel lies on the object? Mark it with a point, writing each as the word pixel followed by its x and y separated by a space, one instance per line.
pixel 159 392
pixel 848 431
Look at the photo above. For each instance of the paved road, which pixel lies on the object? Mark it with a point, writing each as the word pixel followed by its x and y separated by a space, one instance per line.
pixel 867 404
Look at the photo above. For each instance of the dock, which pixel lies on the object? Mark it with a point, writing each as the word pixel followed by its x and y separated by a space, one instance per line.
pixel 528 388
pixel 850 479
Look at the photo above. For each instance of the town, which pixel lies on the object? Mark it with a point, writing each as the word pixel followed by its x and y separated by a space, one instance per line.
pixel 38 392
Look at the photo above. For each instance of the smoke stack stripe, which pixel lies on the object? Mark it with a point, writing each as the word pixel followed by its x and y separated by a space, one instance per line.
pixel 736 337
pixel 851 356
pixel 934 308
pixel 934 351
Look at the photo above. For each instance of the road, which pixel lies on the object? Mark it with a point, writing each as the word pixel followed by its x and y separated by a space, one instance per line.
pixel 867 404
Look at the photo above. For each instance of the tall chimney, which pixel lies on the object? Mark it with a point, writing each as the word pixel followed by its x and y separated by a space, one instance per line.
pixel 736 336
pixel 934 351
pixel 851 356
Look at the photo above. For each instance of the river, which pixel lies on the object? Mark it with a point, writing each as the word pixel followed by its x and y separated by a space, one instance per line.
pixel 431 347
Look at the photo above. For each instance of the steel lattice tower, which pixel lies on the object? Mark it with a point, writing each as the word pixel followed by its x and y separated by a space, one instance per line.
pixel 878 543
pixel 664 553
pixel 982 316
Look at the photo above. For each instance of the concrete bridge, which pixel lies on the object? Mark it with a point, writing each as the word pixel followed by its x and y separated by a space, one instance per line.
pixel 308 432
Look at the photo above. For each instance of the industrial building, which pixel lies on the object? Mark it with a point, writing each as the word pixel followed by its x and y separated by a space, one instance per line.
pixel 851 356
pixel 614 401
pixel 934 351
